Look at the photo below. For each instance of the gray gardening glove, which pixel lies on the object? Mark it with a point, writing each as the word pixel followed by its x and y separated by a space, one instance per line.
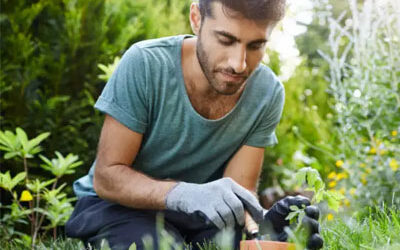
pixel 222 202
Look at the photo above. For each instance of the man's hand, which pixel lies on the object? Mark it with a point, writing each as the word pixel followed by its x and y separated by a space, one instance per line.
pixel 275 217
pixel 222 202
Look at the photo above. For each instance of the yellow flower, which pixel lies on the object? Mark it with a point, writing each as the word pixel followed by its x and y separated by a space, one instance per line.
pixel 346 202
pixel 393 164
pixel 329 217
pixel 339 163
pixel 372 150
pixel 394 133
pixel 332 184
pixel 363 179
pixel 332 175
pixel 363 165
pixel 26 196
pixel 342 176
pixel 342 191
pixel 368 170
pixel 352 191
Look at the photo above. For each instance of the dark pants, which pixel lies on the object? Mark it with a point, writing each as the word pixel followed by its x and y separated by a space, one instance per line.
pixel 95 219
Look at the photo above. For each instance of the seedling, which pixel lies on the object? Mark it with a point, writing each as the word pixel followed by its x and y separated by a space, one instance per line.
pixel 311 178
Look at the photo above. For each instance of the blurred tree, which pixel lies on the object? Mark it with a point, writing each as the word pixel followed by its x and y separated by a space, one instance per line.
pixel 49 56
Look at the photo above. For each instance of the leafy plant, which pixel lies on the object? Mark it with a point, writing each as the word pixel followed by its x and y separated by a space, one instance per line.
pixel 108 69
pixel 44 203
pixel 364 73
pixel 311 178
pixel 50 52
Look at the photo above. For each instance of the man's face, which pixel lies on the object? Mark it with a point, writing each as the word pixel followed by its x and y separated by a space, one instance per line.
pixel 230 48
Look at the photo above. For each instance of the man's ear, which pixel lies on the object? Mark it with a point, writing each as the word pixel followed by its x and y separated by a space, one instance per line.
pixel 195 18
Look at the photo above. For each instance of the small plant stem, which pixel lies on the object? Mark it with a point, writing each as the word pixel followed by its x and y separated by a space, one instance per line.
pixel 26 170
pixel 19 204
pixel 32 219
pixel 31 205
pixel 55 233
pixel 36 220
pixel 318 148
pixel 41 221
pixel 54 184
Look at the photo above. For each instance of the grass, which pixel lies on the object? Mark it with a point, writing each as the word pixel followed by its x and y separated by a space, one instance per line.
pixel 59 244
pixel 377 229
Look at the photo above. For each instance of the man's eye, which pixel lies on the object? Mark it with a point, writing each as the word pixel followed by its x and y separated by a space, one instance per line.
pixel 256 46
pixel 225 42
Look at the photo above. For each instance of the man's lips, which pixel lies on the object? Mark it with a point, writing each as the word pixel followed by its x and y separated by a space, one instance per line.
pixel 232 78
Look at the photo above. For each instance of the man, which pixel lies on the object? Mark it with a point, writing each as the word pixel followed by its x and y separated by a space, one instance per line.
pixel 187 121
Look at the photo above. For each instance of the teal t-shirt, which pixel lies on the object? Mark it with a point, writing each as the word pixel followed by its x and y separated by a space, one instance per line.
pixel 147 94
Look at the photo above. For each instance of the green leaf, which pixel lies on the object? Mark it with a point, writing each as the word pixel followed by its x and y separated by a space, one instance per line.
pixel 5 179
pixel 318 196
pixel 61 165
pixel 10 143
pixel 8 183
pixel 319 185
pixel 36 186
pixel 5 140
pixel 301 176
pixel 291 215
pixel 10 155
pixel 45 159
pixel 312 176
pixel 22 137
pixel 17 179
pixel 5 148
pixel 102 67
pixel 333 199
pixel 36 141
pixel 133 246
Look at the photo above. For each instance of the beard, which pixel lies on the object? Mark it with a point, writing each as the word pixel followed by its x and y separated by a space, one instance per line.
pixel 221 87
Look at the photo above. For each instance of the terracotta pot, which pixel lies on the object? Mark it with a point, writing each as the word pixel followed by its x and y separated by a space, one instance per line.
pixel 265 245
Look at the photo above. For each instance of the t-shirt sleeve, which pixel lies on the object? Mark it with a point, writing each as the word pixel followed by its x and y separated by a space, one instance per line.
pixel 124 96
pixel 264 134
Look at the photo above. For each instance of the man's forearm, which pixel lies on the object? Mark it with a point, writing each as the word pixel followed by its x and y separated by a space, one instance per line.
pixel 131 188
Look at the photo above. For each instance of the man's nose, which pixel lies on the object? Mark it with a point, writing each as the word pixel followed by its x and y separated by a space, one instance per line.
pixel 237 60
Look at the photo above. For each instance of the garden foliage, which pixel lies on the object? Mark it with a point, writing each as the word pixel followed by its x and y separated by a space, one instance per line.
pixel 38 203
pixel 50 51
pixel 305 130
pixel 364 63
pixel 49 80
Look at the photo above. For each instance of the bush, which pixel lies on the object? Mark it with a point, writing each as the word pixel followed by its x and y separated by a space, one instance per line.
pixel 39 207
pixel 364 60
pixel 49 56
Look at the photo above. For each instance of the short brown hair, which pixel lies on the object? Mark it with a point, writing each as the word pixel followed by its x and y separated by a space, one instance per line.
pixel 273 10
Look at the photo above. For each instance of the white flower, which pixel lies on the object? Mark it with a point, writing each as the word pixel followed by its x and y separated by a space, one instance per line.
pixel 357 93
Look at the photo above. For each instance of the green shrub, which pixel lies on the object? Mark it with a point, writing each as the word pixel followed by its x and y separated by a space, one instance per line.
pixel 304 132
pixel 39 206
pixel 49 56
pixel 364 60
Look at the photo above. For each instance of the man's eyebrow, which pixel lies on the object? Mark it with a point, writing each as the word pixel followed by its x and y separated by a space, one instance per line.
pixel 226 34
pixel 232 37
